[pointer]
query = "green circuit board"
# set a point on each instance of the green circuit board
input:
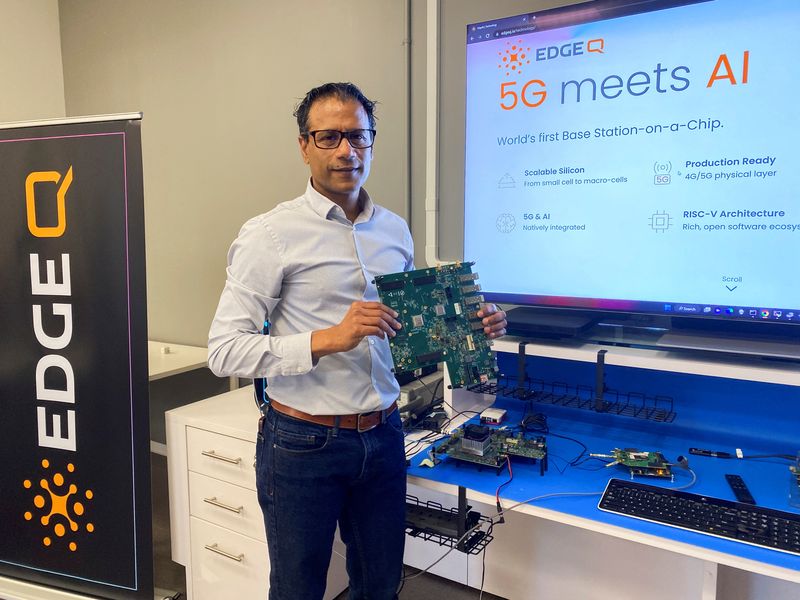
(438, 309)
(492, 452)
(652, 464)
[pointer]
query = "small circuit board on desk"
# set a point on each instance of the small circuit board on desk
(438, 308)
(487, 447)
(638, 462)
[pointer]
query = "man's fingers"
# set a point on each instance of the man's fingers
(487, 310)
(496, 334)
(387, 327)
(368, 330)
(375, 326)
(494, 322)
(375, 306)
(494, 318)
(377, 314)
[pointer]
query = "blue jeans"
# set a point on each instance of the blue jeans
(311, 477)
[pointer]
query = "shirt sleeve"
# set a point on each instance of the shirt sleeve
(252, 289)
(409, 266)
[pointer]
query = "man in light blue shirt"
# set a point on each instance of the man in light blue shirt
(330, 447)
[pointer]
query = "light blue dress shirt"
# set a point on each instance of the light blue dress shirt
(300, 266)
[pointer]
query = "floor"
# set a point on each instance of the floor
(170, 577)
(429, 586)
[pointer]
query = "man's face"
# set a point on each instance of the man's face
(337, 173)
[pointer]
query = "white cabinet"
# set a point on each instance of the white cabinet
(227, 505)
(226, 564)
(217, 528)
(222, 457)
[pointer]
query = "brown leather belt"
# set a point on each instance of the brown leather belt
(360, 422)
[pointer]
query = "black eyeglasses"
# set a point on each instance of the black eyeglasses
(328, 139)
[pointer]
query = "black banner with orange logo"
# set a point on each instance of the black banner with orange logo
(75, 483)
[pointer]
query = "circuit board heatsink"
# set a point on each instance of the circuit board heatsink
(498, 445)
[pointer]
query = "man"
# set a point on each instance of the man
(330, 446)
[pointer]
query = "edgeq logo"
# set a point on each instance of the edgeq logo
(514, 57)
(59, 507)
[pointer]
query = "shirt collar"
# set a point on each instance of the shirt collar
(324, 207)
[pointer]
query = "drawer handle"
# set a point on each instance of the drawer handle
(215, 548)
(216, 502)
(212, 454)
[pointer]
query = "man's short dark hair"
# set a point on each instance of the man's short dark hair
(342, 91)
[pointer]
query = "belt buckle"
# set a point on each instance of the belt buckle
(359, 429)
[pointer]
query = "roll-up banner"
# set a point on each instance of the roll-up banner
(75, 482)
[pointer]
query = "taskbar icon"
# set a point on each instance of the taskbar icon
(741, 312)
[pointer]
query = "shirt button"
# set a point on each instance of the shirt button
(372, 342)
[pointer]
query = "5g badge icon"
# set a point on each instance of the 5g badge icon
(662, 171)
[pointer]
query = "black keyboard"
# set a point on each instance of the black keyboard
(765, 527)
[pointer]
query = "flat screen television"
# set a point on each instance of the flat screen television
(638, 157)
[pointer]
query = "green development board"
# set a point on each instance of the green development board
(438, 308)
(495, 449)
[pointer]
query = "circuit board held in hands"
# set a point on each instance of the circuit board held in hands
(438, 308)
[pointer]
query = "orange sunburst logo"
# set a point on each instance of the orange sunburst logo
(60, 506)
(513, 57)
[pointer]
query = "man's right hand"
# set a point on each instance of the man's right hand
(362, 319)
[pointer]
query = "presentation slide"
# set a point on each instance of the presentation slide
(651, 157)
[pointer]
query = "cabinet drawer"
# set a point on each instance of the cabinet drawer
(227, 505)
(221, 457)
(226, 564)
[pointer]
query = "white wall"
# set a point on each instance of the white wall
(30, 61)
(217, 82)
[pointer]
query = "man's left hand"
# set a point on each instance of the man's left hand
(494, 321)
